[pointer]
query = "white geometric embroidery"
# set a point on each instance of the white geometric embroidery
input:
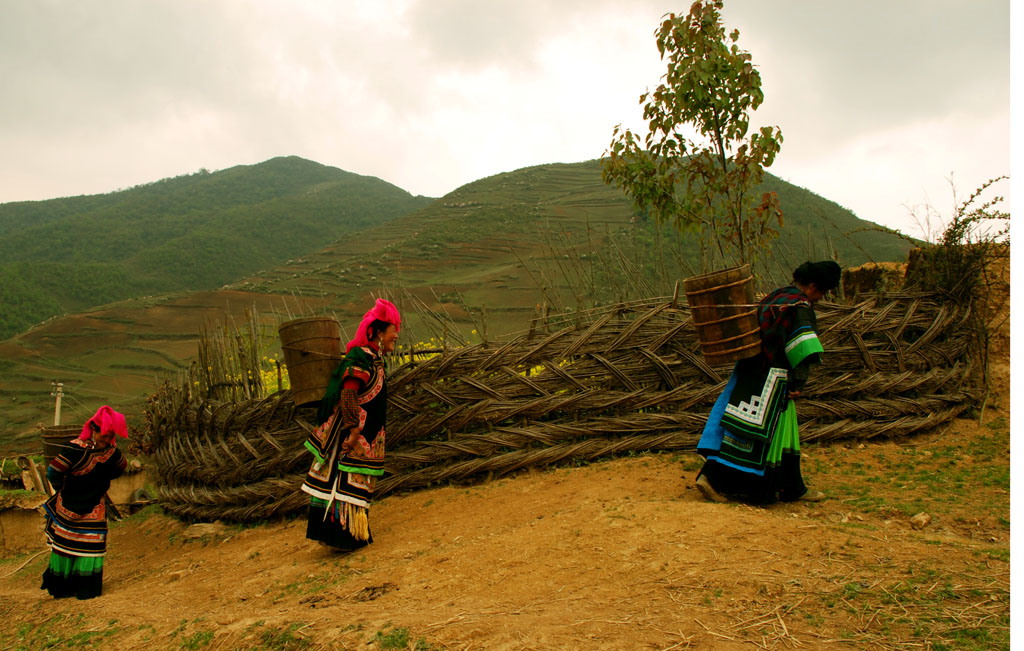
(755, 411)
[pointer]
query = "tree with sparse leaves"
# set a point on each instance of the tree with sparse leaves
(707, 182)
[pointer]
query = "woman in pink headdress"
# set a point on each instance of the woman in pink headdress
(76, 519)
(348, 444)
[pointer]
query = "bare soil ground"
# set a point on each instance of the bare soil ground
(621, 554)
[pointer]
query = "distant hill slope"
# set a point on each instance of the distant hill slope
(493, 244)
(190, 232)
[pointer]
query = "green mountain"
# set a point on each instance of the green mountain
(191, 232)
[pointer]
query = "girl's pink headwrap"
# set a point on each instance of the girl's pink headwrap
(108, 421)
(384, 311)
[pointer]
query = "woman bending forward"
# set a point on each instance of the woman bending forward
(751, 441)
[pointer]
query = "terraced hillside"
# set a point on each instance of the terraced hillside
(115, 354)
(552, 235)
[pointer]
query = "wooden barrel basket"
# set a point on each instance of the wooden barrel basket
(724, 314)
(312, 350)
(55, 440)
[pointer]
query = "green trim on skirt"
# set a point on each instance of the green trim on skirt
(65, 566)
(787, 437)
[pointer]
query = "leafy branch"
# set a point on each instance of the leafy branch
(706, 182)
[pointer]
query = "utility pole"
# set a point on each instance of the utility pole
(58, 391)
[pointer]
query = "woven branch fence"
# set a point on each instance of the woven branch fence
(626, 378)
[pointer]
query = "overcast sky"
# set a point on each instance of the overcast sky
(879, 101)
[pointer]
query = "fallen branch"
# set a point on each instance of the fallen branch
(30, 558)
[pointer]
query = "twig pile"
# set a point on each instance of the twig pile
(626, 378)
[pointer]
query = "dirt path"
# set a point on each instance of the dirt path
(621, 554)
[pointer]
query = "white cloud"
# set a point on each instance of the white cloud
(878, 101)
(923, 157)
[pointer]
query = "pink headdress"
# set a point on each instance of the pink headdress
(384, 311)
(108, 420)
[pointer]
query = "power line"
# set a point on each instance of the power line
(120, 378)
(111, 394)
(82, 409)
(101, 394)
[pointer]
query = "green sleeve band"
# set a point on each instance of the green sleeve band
(802, 346)
(361, 471)
(309, 446)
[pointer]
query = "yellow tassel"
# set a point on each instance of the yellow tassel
(358, 522)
